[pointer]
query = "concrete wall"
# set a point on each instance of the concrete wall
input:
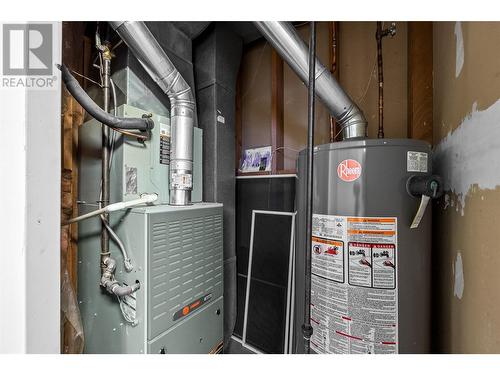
(467, 138)
(358, 75)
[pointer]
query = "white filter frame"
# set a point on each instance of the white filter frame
(290, 283)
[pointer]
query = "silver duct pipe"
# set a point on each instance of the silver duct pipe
(290, 46)
(182, 104)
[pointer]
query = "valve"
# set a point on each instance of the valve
(429, 185)
(426, 188)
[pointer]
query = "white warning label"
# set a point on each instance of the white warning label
(181, 181)
(416, 161)
(354, 297)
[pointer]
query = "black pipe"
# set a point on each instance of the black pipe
(105, 162)
(142, 124)
(307, 330)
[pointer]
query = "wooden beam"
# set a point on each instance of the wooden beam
(238, 132)
(72, 114)
(420, 81)
(277, 122)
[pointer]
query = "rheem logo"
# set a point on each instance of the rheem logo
(349, 170)
(27, 49)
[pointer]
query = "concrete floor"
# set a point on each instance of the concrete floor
(235, 347)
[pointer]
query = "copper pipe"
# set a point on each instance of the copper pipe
(132, 134)
(379, 35)
(380, 82)
(334, 26)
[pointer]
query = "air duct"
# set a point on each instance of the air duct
(290, 46)
(182, 104)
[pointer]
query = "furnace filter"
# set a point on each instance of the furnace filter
(370, 271)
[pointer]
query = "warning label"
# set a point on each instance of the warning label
(354, 299)
(164, 144)
(416, 161)
(328, 259)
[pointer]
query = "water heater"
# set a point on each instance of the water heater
(371, 247)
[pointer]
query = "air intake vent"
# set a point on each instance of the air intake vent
(185, 263)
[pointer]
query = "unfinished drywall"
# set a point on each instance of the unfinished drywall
(295, 101)
(357, 63)
(256, 99)
(467, 153)
(358, 74)
(256, 95)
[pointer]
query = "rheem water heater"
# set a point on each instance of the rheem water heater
(371, 247)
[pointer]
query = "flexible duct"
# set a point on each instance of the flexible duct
(290, 46)
(147, 50)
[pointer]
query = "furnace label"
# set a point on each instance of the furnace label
(358, 312)
(164, 144)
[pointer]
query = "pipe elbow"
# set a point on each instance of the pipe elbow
(353, 124)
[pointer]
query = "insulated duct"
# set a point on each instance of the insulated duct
(182, 104)
(290, 46)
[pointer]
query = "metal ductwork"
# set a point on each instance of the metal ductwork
(182, 104)
(290, 46)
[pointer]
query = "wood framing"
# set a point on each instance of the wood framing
(76, 53)
(420, 81)
(238, 124)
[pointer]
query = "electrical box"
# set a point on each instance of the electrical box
(136, 167)
(177, 257)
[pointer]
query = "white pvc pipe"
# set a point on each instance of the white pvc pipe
(145, 198)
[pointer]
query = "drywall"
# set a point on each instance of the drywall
(465, 157)
(466, 129)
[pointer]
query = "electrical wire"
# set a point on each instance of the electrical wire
(126, 259)
(128, 318)
(257, 70)
(113, 133)
(127, 262)
(372, 72)
(87, 78)
(283, 148)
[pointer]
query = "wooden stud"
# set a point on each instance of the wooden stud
(71, 118)
(277, 118)
(238, 124)
(420, 81)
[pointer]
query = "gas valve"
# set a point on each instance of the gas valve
(430, 186)
(426, 188)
